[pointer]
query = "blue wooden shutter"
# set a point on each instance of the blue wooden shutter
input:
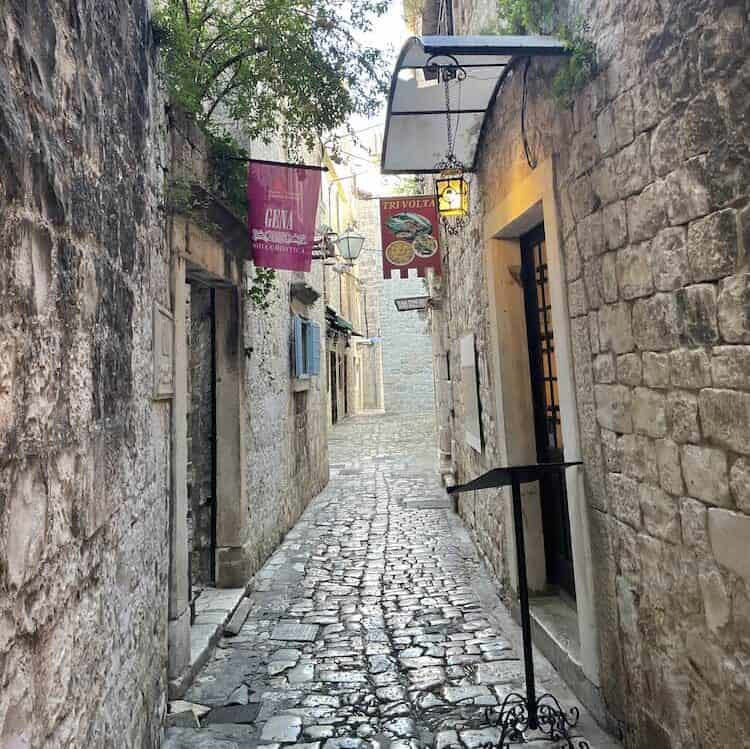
(299, 354)
(313, 340)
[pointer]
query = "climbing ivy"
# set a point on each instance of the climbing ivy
(262, 285)
(542, 17)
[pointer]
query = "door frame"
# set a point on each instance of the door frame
(529, 202)
(555, 517)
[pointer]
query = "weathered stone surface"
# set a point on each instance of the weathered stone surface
(682, 415)
(623, 119)
(610, 450)
(624, 498)
(577, 304)
(694, 518)
(685, 192)
(605, 131)
(638, 457)
(728, 532)
(285, 729)
(649, 412)
(712, 246)
(573, 266)
(656, 369)
(603, 181)
(696, 309)
(590, 232)
(690, 369)
(669, 259)
(240, 714)
(739, 483)
(730, 367)
(734, 308)
(660, 512)
(608, 270)
(668, 460)
(583, 201)
(725, 418)
(646, 213)
(633, 169)
(634, 277)
(716, 599)
(666, 148)
(705, 473)
(615, 225)
(295, 632)
(604, 368)
(629, 369)
(615, 328)
(613, 407)
(656, 323)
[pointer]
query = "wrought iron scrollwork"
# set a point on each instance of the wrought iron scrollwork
(547, 718)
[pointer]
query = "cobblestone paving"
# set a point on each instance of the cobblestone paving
(374, 624)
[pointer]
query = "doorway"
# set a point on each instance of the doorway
(201, 334)
(546, 406)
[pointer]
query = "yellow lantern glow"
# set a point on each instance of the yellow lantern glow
(452, 194)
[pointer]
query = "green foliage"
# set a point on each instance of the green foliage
(289, 68)
(409, 186)
(263, 284)
(227, 173)
(578, 68)
(527, 16)
(541, 17)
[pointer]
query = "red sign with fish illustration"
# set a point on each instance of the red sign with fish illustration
(409, 231)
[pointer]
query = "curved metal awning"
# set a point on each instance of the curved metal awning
(416, 128)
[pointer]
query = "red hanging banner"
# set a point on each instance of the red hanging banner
(283, 206)
(409, 231)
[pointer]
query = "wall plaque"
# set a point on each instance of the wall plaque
(163, 352)
(470, 388)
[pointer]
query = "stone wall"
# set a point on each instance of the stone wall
(370, 271)
(84, 450)
(285, 432)
(407, 351)
(652, 169)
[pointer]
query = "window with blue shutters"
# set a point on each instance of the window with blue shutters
(305, 347)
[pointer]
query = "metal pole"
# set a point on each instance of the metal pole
(523, 598)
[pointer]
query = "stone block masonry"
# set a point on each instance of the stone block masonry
(651, 175)
(84, 450)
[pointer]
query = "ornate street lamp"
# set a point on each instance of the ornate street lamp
(350, 245)
(452, 192)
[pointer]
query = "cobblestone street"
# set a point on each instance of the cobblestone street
(374, 623)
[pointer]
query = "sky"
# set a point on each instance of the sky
(388, 34)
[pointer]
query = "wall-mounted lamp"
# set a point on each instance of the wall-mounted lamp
(350, 244)
(452, 191)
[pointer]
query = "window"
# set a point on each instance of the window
(305, 347)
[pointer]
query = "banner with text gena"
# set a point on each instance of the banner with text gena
(282, 209)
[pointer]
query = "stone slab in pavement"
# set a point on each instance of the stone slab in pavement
(374, 624)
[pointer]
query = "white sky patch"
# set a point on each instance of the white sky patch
(388, 34)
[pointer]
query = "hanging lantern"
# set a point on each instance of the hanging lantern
(452, 192)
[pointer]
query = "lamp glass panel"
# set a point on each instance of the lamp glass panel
(453, 196)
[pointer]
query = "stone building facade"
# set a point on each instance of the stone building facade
(352, 298)
(642, 191)
(249, 442)
(84, 446)
(99, 267)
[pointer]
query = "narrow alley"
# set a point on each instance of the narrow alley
(374, 623)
